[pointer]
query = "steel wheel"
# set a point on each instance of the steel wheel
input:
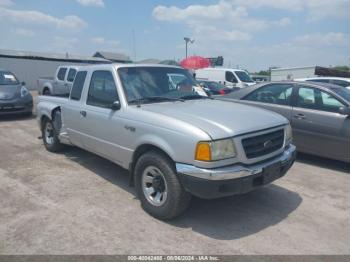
(49, 133)
(154, 186)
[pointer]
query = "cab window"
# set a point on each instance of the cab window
(78, 85)
(230, 77)
(279, 94)
(71, 75)
(102, 90)
(61, 73)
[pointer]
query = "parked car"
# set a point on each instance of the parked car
(60, 84)
(227, 76)
(318, 112)
(133, 116)
(340, 81)
(215, 88)
(14, 96)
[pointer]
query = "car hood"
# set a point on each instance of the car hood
(219, 119)
(8, 92)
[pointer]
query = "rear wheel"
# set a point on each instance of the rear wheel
(158, 187)
(50, 136)
(46, 92)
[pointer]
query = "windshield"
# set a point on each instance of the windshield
(7, 78)
(156, 84)
(244, 77)
(343, 92)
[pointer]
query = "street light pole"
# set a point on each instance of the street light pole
(188, 40)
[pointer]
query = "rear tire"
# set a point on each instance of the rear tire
(46, 92)
(158, 186)
(50, 136)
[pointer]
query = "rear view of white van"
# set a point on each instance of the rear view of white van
(229, 77)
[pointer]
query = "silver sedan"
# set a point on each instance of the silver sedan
(319, 113)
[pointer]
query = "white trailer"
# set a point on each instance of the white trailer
(280, 74)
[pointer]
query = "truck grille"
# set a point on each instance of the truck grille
(261, 145)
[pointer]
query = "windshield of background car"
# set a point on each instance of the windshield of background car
(147, 82)
(343, 92)
(244, 77)
(7, 78)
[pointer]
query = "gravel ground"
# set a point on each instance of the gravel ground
(75, 202)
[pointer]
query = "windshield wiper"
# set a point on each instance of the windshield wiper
(189, 97)
(153, 99)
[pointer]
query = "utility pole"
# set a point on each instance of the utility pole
(133, 44)
(188, 40)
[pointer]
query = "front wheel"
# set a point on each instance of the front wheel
(158, 187)
(50, 137)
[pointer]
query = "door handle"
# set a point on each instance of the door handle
(83, 113)
(300, 116)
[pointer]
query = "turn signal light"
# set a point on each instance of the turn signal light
(203, 152)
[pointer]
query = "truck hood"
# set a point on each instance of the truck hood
(8, 92)
(219, 119)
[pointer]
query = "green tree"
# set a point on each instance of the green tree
(342, 68)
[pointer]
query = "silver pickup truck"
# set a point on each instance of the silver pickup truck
(176, 142)
(60, 84)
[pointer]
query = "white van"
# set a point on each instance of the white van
(229, 77)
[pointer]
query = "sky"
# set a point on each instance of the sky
(249, 34)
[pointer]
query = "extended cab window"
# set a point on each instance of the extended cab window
(102, 90)
(78, 86)
(61, 73)
(279, 94)
(71, 75)
(230, 77)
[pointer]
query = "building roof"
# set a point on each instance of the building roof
(50, 56)
(112, 56)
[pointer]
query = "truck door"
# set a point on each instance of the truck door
(58, 85)
(70, 78)
(230, 79)
(104, 128)
(71, 115)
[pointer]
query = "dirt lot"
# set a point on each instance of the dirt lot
(77, 203)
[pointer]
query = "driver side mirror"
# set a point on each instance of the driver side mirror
(344, 110)
(115, 106)
(23, 83)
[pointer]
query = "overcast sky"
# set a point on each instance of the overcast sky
(251, 34)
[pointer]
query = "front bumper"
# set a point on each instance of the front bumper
(17, 106)
(235, 179)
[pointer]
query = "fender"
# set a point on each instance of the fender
(49, 86)
(45, 109)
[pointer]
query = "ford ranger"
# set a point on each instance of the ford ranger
(60, 84)
(174, 140)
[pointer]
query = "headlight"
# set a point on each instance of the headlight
(24, 91)
(217, 150)
(288, 135)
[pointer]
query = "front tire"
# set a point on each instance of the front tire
(50, 136)
(158, 187)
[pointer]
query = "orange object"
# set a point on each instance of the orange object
(203, 152)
